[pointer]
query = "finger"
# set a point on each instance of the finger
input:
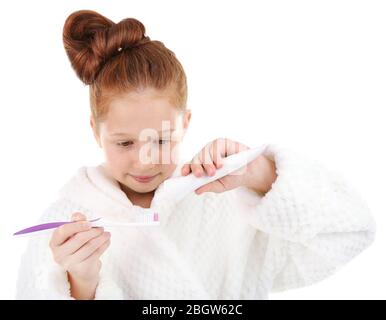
(225, 147)
(78, 240)
(87, 249)
(98, 252)
(77, 216)
(214, 186)
(94, 258)
(185, 169)
(196, 167)
(210, 169)
(62, 233)
(216, 153)
(232, 147)
(206, 160)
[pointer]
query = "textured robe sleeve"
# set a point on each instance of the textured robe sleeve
(315, 221)
(40, 277)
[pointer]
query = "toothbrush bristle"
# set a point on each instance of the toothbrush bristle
(148, 218)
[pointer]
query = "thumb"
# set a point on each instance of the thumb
(77, 216)
(214, 186)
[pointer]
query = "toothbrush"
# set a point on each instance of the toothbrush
(148, 219)
(178, 187)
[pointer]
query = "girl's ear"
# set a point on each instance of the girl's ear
(187, 116)
(95, 131)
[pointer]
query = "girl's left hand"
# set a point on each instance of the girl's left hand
(209, 159)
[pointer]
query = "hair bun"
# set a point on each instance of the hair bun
(90, 39)
(126, 33)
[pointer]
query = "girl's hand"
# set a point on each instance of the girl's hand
(258, 174)
(209, 159)
(77, 248)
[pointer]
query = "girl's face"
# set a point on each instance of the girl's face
(140, 137)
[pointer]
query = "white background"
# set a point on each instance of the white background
(308, 74)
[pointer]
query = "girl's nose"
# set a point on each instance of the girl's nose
(144, 159)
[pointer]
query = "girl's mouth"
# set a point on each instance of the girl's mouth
(143, 179)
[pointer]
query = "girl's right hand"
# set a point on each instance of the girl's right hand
(77, 247)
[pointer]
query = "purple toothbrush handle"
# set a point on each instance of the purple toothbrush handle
(45, 226)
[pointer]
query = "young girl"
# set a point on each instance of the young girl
(282, 222)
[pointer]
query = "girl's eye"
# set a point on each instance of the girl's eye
(125, 143)
(129, 143)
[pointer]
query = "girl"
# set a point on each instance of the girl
(280, 222)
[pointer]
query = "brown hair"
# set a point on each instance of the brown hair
(113, 58)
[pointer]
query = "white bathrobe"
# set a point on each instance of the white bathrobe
(230, 245)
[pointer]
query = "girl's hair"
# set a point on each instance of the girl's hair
(114, 58)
